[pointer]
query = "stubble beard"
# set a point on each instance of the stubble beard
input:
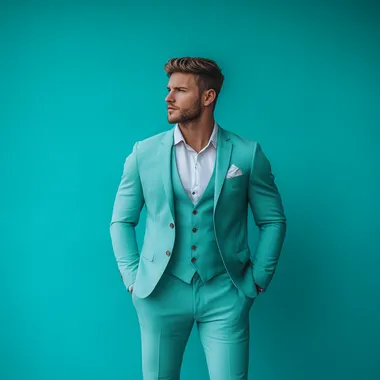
(188, 114)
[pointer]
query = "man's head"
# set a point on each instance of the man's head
(193, 88)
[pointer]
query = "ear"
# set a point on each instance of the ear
(209, 97)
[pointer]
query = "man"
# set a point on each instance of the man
(196, 181)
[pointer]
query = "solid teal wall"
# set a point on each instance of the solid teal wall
(80, 83)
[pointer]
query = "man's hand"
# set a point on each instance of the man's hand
(259, 289)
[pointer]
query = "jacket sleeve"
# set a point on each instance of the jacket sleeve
(127, 207)
(267, 209)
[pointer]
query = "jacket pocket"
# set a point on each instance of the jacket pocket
(148, 254)
(236, 182)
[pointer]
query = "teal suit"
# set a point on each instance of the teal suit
(208, 276)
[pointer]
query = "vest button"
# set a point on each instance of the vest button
(171, 225)
(193, 247)
(167, 253)
(193, 260)
(194, 229)
(195, 212)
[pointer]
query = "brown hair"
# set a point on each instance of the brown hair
(208, 74)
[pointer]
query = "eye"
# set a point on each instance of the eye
(176, 89)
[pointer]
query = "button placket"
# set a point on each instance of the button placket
(196, 178)
(194, 247)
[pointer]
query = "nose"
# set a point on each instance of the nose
(169, 97)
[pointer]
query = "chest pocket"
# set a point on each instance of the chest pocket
(238, 183)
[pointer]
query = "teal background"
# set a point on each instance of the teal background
(82, 81)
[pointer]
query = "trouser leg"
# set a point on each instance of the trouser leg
(223, 324)
(166, 319)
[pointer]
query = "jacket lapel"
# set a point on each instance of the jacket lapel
(164, 158)
(223, 156)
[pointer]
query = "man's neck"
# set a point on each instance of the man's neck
(197, 135)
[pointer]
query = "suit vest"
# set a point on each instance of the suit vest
(195, 248)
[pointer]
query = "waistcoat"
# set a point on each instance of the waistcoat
(195, 248)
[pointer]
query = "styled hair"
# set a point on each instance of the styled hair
(208, 74)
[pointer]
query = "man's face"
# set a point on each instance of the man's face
(184, 102)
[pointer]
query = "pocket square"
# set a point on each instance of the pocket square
(233, 171)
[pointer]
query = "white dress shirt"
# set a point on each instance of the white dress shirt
(195, 169)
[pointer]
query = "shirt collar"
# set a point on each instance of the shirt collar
(178, 137)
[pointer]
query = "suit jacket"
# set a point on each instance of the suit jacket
(146, 180)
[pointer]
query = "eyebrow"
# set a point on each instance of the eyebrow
(168, 88)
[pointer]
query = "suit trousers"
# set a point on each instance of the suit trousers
(166, 318)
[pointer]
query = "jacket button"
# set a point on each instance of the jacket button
(167, 253)
(194, 229)
(195, 212)
(171, 225)
(193, 247)
(193, 260)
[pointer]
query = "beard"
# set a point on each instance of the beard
(188, 114)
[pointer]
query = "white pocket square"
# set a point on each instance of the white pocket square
(233, 171)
